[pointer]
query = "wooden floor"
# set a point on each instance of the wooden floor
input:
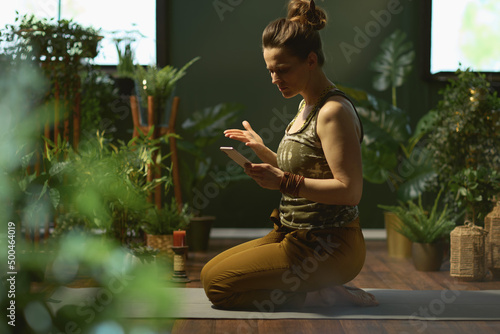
(380, 271)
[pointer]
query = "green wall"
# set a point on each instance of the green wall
(231, 69)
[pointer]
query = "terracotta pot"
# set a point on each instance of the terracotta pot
(427, 257)
(398, 245)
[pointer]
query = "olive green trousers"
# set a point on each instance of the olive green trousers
(277, 270)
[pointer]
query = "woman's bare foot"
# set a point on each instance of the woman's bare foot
(340, 295)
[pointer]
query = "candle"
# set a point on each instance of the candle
(179, 238)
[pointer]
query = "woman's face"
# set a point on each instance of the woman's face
(288, 72)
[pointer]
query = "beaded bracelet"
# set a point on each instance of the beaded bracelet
(290, 184)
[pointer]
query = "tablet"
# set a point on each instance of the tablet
(235, 155)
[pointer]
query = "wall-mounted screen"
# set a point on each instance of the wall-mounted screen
(464, 34)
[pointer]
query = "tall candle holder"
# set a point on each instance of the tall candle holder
(179, 275)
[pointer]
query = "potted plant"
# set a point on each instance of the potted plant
(37, 38)
(465, 144)
(98, 103)
(60, 49)
(104, 186)
(159, 84)
(71, 221)
(125, 69)
(426, 230)
(161, 223)
(201, 130)
(391, 149)
(475, 189)
(465, 150)
(392, 154)
(138, 255)
(103, 257)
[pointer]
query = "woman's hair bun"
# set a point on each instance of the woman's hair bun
(306, 13)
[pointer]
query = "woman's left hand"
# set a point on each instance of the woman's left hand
(265, 175)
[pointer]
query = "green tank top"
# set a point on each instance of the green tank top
(301, 153)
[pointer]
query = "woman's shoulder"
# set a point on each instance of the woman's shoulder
(338, 110)
(335, 106)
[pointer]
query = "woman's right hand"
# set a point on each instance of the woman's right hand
(247, 136)
(254, 141)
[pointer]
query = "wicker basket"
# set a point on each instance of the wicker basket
(467, 252)
(162, 242)
(492, 226)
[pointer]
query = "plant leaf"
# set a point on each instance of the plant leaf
(394, 63)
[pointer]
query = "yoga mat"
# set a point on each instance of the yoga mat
(394, 304)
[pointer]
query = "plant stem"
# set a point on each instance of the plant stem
(473, 215)
(394, 95)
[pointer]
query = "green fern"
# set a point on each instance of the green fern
(159, 83)
(421, 226)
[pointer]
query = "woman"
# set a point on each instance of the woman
(317, 244)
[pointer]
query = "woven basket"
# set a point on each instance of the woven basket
(467, 252)
(492, 226)
(162, 242)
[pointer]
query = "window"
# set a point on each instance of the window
(109, 16)
(463, 33)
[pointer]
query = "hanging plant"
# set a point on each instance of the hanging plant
(48, 39)
(58, 48)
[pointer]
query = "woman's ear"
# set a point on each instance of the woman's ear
(312, 59)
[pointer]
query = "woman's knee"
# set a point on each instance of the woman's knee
(204, 275)
(218, 294)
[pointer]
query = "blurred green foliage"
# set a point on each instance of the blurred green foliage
(104, 187)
